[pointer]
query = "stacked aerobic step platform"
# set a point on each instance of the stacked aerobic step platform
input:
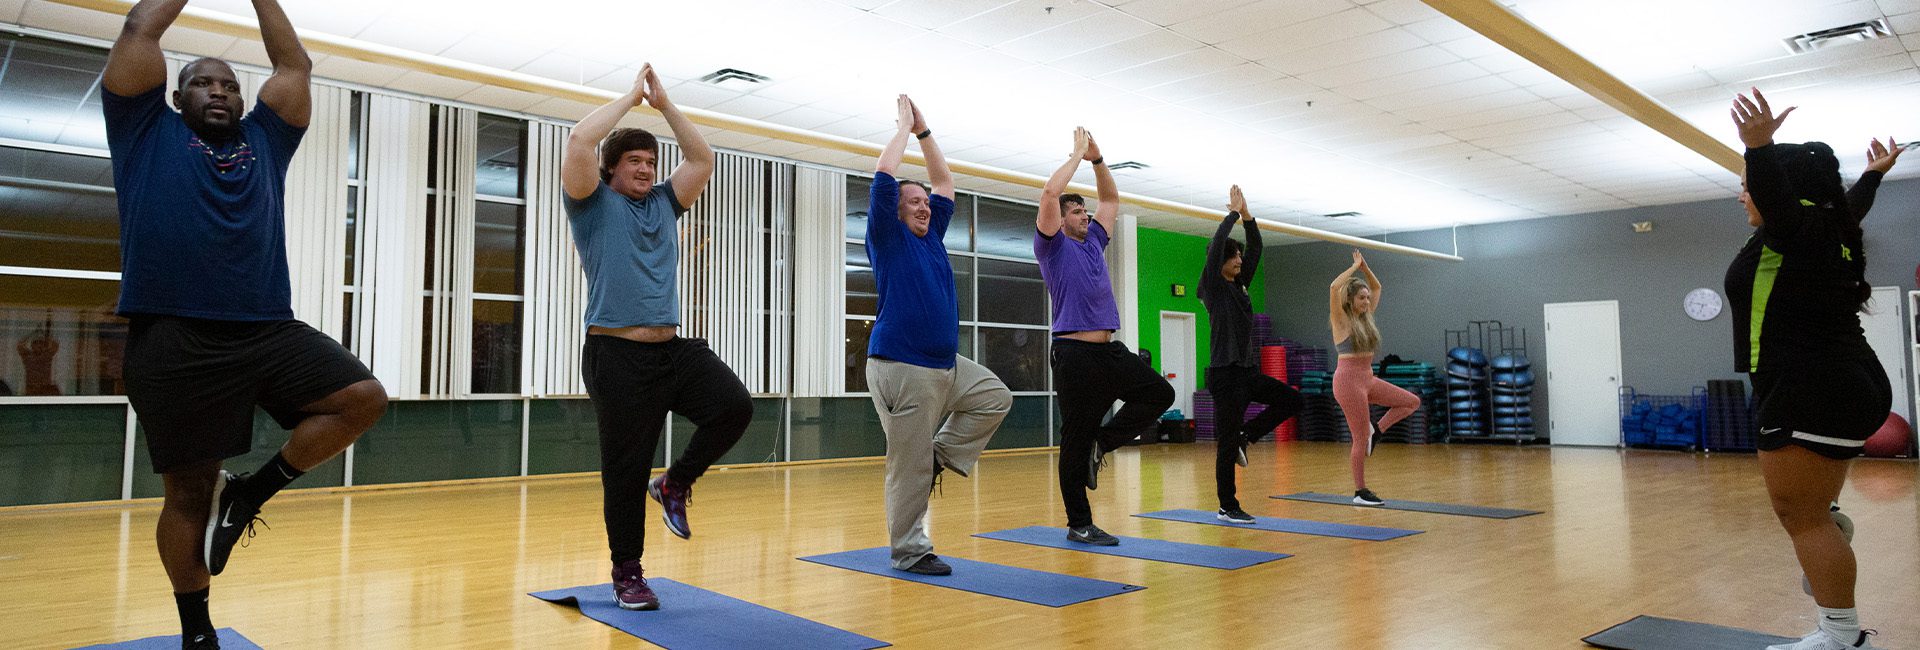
(1512, 396)
(1469, 393)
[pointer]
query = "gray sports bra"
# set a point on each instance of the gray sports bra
(1343, 347)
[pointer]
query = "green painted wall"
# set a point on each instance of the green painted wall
(1168, 258)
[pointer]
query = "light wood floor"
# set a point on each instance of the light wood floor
(1624, 533)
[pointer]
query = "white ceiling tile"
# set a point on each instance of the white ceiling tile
(355, 71)
(248, 52)
(1345, 51)
(1239, 97)
(1401, 12)
(932, 14)
(72, 20)
(1018, 19)
(1492, 135)
(1304, 35)
(1471, 96)
(10, 10)
(567, 68)
(401, 27)
(1174, 68)
(807, 117)
(501, 98)
(431, 85)
(1245, 20)
(1168, 12)
(1088, 33)
(779, 148)
(1441, 30)
(698, 94)
(1239, 76)
(1145, 48)
(193, 41)
(1449, 73)
(753, 107)
(1897, 7)
(1379, 67)
(564, 109)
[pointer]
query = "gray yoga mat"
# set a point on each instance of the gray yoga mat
(1413, 506)
(1655, 633)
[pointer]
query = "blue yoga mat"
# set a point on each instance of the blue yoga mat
(691, 617)
(1015, 583)
(1655, 633)
(1212, 557)
(1413, 506)
(229, 640)
(1278, 525)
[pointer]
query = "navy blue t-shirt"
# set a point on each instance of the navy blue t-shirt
(919, 321)
(202, 226)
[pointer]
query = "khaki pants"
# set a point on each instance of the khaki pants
(931, 415)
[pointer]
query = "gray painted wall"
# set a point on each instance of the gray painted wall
(1513, 269)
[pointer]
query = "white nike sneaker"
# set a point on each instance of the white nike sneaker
(1821, 640)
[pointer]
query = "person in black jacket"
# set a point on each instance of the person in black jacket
(1796, 289)
(1233, 374)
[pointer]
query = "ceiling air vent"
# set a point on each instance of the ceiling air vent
(1128, 164)
(732, 78)
(1341, 215)
(1826, 38)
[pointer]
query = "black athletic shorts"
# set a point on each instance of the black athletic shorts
(194, 383)
(1830, 408)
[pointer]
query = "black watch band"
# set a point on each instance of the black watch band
(924, 134)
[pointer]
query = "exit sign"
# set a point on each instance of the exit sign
(1179, 291)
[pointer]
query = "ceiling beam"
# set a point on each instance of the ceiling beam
(323, 43)
(1501, 25)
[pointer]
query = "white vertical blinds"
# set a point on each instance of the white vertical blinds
(556, 289)
(819, 272)
(391, 273)
(316, 211)
(734, 278)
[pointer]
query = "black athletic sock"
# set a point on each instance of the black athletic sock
(194, 620)
(272, 477)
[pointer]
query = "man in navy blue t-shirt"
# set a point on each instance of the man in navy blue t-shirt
(204, 283)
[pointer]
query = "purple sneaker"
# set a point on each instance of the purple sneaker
(630, 590)
(673, 499)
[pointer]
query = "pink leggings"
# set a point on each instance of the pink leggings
(1355, 388)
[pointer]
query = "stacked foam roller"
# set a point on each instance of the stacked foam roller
(1469, 398)
(1420, 379)
(1730, 416)
(1320, 418)
(1273, 363)
(1512, 395)
(1301, 359)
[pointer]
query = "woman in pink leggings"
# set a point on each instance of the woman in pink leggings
(1350, 304)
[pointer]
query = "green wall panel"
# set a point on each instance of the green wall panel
(1168, 258)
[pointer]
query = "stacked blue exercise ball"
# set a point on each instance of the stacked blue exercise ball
(1469, 402)
(1512, 396)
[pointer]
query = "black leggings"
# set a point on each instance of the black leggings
(633, 386)
(1088, 377)
(1233, 387)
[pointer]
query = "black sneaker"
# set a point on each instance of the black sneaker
(930, 565)
(1366, 497)
(1091, 534)
(1234, 516)
(230, 520)
(207, 641)
(1240, 455)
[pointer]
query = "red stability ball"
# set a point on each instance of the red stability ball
(1892, 438)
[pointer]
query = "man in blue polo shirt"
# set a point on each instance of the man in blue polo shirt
(205, 287)
(937, 407)
(636, 366)
(1090, 369)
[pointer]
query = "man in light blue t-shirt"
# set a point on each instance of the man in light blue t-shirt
(636, 366)
(937, 407)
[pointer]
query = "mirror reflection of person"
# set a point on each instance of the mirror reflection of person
(37, 351)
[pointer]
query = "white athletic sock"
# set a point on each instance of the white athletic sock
(1843, 624)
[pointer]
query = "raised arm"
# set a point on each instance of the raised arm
(290, 89)
(937, 173)
(579, 164)
(1249, 260)
(1109, 212)
(135, 64)
(1880, 159)
(889, 162)
(1049, 220)
(1373, 281)
(1217, 247)
(1766, 183)
(696, 157)
(1334, 296)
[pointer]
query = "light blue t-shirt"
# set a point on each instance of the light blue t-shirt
(630, 251)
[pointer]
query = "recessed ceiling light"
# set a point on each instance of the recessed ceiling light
(1825, 38)
(734, 78)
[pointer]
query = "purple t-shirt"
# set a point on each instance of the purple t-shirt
(1076, 276)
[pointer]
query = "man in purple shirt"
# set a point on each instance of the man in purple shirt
(1090, 369)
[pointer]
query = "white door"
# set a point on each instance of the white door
(1882, 323)
(1583, 373)
(1176, 357)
